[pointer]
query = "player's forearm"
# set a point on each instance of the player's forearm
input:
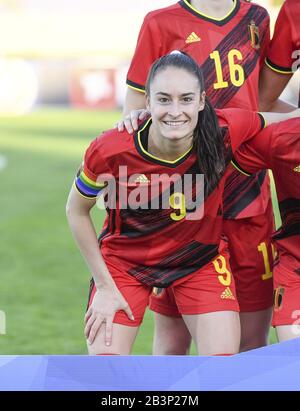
(271, 85)
(85, 236)
(278, 106)
(134, 100)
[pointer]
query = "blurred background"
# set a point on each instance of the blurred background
(63, 65)
(69, 52)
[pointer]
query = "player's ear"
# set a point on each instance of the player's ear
(202, 101)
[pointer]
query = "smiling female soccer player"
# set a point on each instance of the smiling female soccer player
(229, 39)
(142, 247)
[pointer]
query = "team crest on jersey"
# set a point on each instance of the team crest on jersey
(278, 295)
(297, 169)
(254, 35)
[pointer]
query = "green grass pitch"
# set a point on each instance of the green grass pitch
(44, 281)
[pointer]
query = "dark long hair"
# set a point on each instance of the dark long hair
(208, 140)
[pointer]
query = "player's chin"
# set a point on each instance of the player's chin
(176, 133)
(176, 136)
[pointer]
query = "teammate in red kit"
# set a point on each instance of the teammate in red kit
(278, 148)
(229, 40)
(283, 57)
(171, 244)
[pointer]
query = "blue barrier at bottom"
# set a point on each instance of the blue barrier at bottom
(275, 368)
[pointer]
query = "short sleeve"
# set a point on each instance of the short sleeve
(146, 52)
(94, 173)
(255, 154)
(279, 56)
(242, 124)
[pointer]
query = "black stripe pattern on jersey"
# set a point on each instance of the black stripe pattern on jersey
(240, 190)
(238, 39)
(110, 228)
(185, 261)
(146, 220)
(290, 216)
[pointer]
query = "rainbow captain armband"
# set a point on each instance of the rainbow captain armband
(87, 187)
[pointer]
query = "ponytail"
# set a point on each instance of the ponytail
(209, 145)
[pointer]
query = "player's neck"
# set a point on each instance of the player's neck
(213, 8)
(168, 149)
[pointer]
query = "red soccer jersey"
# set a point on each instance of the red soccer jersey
(285, 44)
(154, 235)
(278, 148)
(230, 51)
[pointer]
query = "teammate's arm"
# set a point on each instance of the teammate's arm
(277, 68)
(271, 85)
(134, 100)
(108, 299)
(148, 49)
(245, 124)
(134, 110)
(257, 153)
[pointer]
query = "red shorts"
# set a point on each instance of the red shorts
(286, 292)
(134, 292)
(251, 259)
(209, 289)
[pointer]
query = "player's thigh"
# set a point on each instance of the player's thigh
(208, 304)
(124, 329)
(171, 336)
(286, 309)
(123, 338)
(215, 333)
(255, 329)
